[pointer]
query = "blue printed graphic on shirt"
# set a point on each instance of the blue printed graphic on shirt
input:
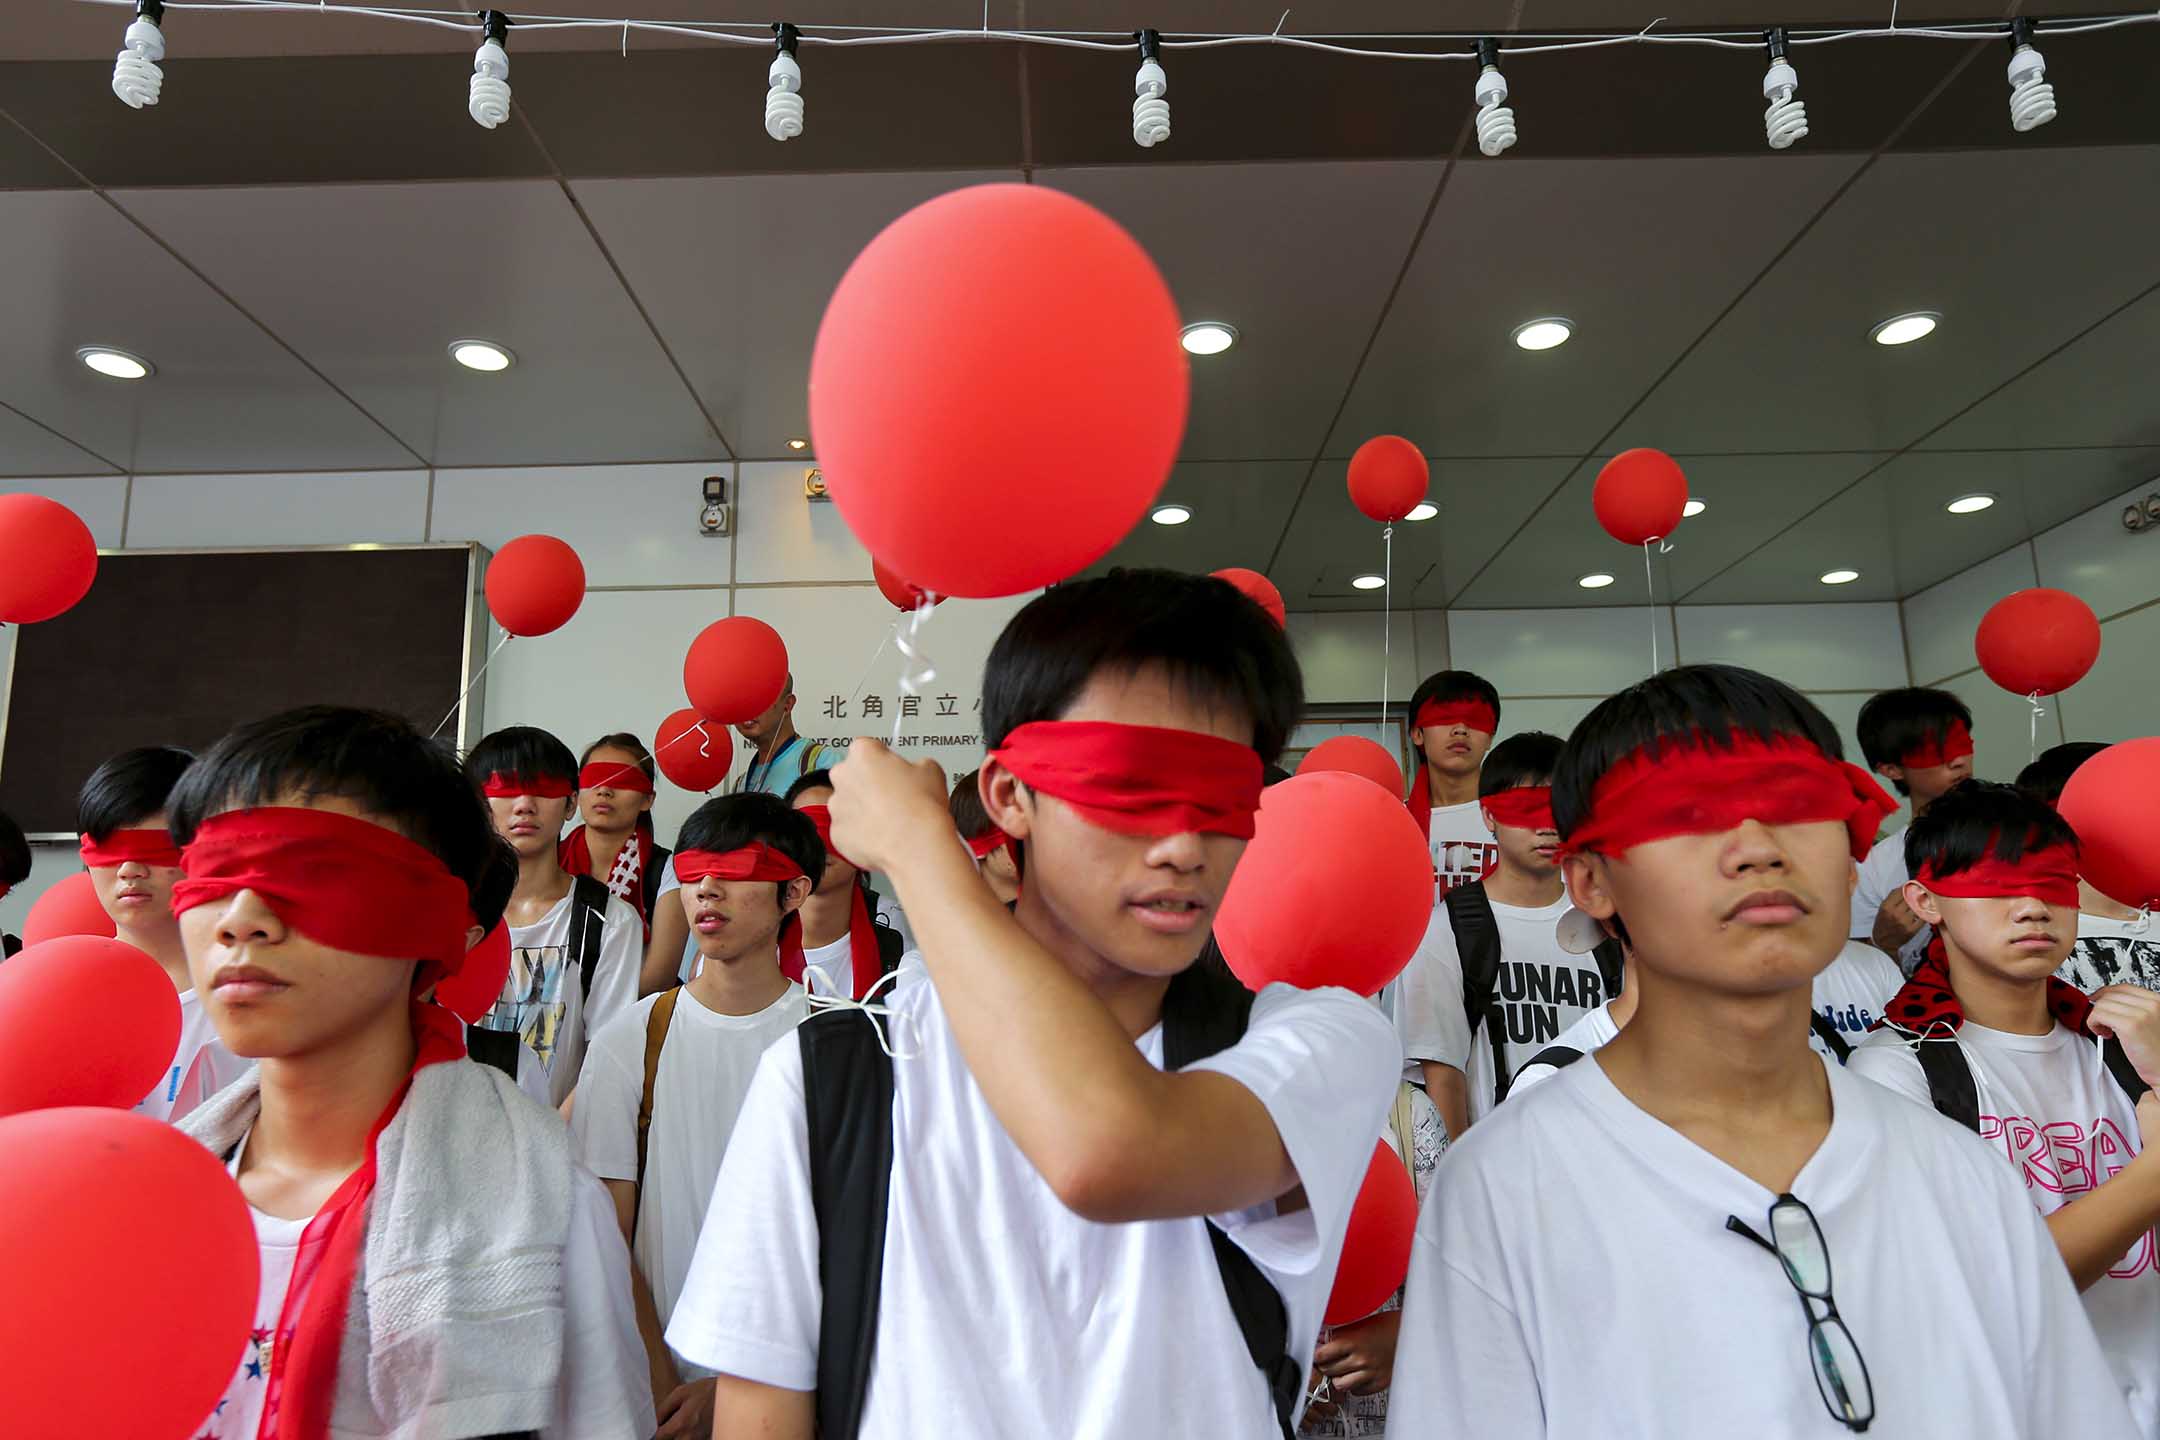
(533, 1002)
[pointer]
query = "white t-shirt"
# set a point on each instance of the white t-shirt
(1001, 1312)
(201, 1066)
(1462, 848)
(1882, 874)
(1852, 992)
(705, 1070)
(1541, 990)
(835, 966)
(544, 1000)
(2114, 952)
(1573, 1264)
(2050, 1108)
(603, 1392)
(1593, 1032)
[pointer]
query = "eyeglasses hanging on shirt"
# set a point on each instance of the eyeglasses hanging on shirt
(1841, 1375)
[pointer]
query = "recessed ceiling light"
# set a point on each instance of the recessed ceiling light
(1368, 582)
(1971, 504)
(1423, 510)
(117, 363)
(1693, 508)
(1544, 334)
(1596, 580)
(1904, 329)
(1208, 337)
(1171, 514)
(1839, 577)
(798, 444)
(481, 355)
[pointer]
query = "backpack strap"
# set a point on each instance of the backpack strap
(1559, 1057)
(1950, 1081)
(1611, 959)
(657, 1021)
(1477, 945)
(1835, 1043)
(588, 924)
(847, 1109)
(495, 1048)
(889, 945)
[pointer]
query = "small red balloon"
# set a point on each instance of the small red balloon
(2110, 802)
(693, 752)
(69, 908)
(2037, 642)
(735, 670)
(903, 595)
(1356, 755)
(1639, 496)
(473, 991)
(1258, 589)
(1327, 845)
(47, 559)
(534, 585)
(84, 1021)
(1002, 355)
(1388, 477)
(1376, 1248)
(118, 1226)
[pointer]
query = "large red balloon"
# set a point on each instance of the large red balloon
(1388, 477)
(1328, 845)
(1002, 356)
(2037, 642)
(473, 991)
(47, 559)
(1639, 496)
(1258, 589)
(693, 752)
(735, 670)
(84, 1021)
(904, 596)
(128, 1275)
(68, 908)
(1376, 1248)
(534, 585)
(2110, 802)
(1356, 755)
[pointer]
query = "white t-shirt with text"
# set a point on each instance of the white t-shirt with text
(1852, 992)
(544, 1000)
(1462, 848)
(201, 1066)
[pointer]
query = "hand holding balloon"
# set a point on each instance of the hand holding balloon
(886, 809)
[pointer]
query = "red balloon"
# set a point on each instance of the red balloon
(473, 991)
(2110, 802)
(47, 559)
(903, 595)
(1639, 496)
(84, 1021)
(69, 908)
(1328, 844)
(1258, 589)
(2037, 642)
(693, 752)
(1388, 477)
(1376, 1248)
(118, 1226)
(735, 670)
(534, 585)
(1007, 355)
(1356, 755)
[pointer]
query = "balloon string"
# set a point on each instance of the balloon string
(1387, 619)
(2038, 710)
(856, 694)
(1650, 591)
(916, 671)
(506, 639)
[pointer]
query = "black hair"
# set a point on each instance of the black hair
(1213, 641)
(1975, 819)
(969, 816)
(1898, 721)
(809, 780)
(1525, 759)
(620, 740)
(1719, 701)
(521, 752)
(371, 757)
(1446, 685)
(729, 822)
(14, 852)
(129, 788)
(2045, 777)
(498, 879)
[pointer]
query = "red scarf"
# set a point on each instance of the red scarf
(151, 847)
(1442, 715)
(1139, 779)
(575, 857)
(1939, 747)
(499, 786)
(1927, 1002)
(2049, 873)
(1526, 807)
(866, 965)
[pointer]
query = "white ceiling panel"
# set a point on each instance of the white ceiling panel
(1239, 508)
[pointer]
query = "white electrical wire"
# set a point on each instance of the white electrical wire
(783, 98)
(489, 100)
(1150, 111)
(136, 77)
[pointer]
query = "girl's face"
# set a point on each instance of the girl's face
(605, 808)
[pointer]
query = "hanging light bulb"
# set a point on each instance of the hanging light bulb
(2032, 99)
(1495, 122)
(1150, 111)
(488, 102)
(1786, 119)
(783, 94)
(136, 77)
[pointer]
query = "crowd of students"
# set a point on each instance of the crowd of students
(1827, 1133)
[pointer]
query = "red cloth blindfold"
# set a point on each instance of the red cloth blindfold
(151, 847)
(499, 786)
(865, 963)
(1941, 747)
(755, 861)
(2049, 873)
(1440, 714)
(1139, 779)
(821, 817)
(983, 846)
(603, 776)
(1697, 787)
(1526, 807)
(339, 881)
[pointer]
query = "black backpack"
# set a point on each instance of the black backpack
(847, 1104)
(1477, 942)
(1950, 1078)
(588, 922)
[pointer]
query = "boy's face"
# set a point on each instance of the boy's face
(731, 919)
(838, 873)
(137, 896)
(1454, 750)
(531, 823)
(274, 993)
(1531, 853)
(1929, 783)
(1754, 910)
(2017, 938)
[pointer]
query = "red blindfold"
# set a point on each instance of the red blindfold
(340, 881)
(605, 776)
(499, 786)
(983, 846)
(755, 861)
(1941, 747)
(1697, 787)
(151, 847)
(1440, 714)
(1526, 807)
(821, 817)
(2049, 873)
(1139, 779)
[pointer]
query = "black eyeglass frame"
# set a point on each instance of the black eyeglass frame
(1849, 1415)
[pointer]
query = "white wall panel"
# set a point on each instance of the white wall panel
(1810, 647)
(1341, 655)
(2094, 558)
(1940, 620)
(379, 506)
(1561, 651)
(788, 537)
(630, 524)
(2120, 698)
